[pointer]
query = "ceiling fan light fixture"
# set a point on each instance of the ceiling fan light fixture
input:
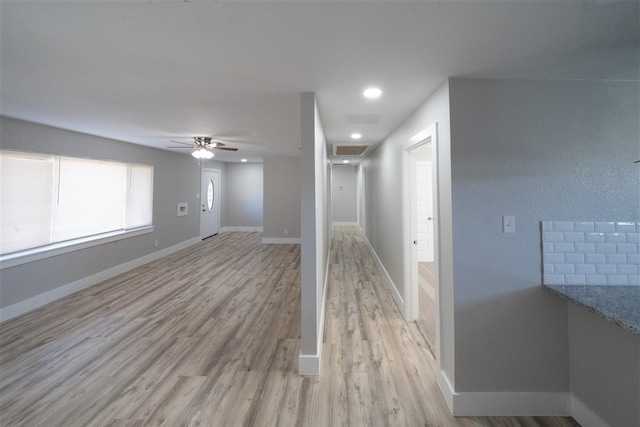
(202, 153)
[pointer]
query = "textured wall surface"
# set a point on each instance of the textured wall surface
(536, 150)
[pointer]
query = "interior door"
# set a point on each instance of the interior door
(424, 202)
(210, 203)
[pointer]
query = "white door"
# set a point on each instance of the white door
(210, 203)
(424, 202)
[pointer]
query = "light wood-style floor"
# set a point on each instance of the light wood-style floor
(210, 335)
(427, 304)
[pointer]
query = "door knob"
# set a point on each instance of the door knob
(429, 219)
(415, 242)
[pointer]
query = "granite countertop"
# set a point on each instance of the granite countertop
(617, 304)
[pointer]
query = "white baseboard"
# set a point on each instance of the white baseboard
(504, 403)
(446, 388)
(345, 224)
(242, 229)
(584, 415)
(280, 240)
(392, 287)
(518, 404)
(511, 404)
(308, 364)
(37, 301)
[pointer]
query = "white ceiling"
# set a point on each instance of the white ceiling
(148, 72)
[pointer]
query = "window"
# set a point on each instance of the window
(48, 199)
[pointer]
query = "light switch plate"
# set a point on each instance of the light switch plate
(508, 224)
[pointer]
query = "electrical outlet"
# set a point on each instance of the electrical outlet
(156, 243)
(286, 231)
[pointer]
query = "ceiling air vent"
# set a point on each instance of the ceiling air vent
(350, 150)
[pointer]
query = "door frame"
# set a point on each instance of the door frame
(409, 227)
(219, 195)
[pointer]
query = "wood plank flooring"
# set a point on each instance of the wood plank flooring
(209, 336)
(426, 321)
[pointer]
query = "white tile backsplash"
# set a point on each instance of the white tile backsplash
(609, 227)
(584, 226)
(591, 253)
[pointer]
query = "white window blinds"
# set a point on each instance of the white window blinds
(27, 200)
(49, 199)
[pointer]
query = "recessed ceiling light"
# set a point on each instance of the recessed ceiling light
(356, 136)
(345, 162)
(243, 160)
(372, 93)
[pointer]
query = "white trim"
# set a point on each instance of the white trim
(345, 224)
(392, 287)
(60, 248)
(584, 415)
(37, 301)
(409, 219)
(242, 229)
(410, 232)
(512, 404)
(309, 364)
(518, 404)
(280, 240)
(446, 389)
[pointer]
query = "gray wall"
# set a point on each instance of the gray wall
(316, 229)
(539, 150)
(244, 189)
(176, 179)
(605, 368)
(534, 149)
(281, 197)
(344, 195)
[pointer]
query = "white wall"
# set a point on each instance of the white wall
(344, 195)
(244, 190)
(281, 199)
(176, 179)
(316, 228)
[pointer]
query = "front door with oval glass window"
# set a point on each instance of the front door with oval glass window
(210, 203)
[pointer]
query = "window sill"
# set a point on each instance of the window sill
(35, 254)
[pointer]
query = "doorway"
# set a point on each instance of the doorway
(420, 219)
(210, 203)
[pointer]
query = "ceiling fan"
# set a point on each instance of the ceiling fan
(204, 146)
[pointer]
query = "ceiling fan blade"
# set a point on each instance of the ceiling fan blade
(183, 143)
(190, 148)
(225, 148)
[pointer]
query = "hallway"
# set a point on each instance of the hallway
(377, 367)
(213, 340)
